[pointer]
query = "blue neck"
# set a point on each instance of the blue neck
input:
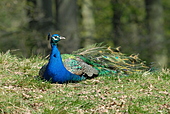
(55, 70)
(55, 57)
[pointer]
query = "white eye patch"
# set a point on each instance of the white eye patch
(54, 38)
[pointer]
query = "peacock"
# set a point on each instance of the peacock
(86, 63)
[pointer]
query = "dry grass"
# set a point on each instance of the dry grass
(21, 92)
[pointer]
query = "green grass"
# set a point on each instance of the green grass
(21, 92)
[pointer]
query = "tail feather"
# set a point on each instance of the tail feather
(108, 60)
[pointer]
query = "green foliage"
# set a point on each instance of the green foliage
(23, 27)
(21, 92)
(12, 15)
(15, 34)
(24, 43)
(166, 8)
(103, 21)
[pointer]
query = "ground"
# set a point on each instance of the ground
(22, 92)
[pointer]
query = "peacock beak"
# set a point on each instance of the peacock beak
(61, 37)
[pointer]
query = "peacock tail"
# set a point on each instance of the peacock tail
(106, 60)
(99, 60)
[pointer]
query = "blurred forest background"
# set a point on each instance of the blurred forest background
(138, 26)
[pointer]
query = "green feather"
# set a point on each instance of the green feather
(108, 60)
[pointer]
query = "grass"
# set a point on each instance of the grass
(21, 92)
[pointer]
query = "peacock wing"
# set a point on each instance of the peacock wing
(77, 66)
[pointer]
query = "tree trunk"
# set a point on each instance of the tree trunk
(66, 11)
(41, 15)
(88, 22)
(117, 13)
(31, 13)
(155, 40)
(46, 16)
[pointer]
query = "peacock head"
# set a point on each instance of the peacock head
(55, 38)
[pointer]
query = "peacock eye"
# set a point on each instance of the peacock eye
(56, 37)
